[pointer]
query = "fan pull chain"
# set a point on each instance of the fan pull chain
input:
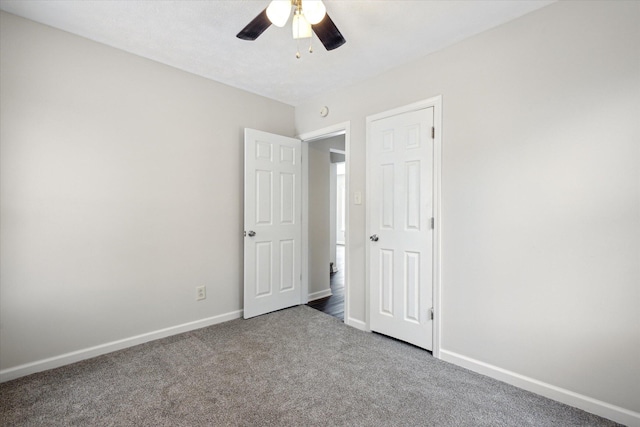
(311, 44)
(297, 30)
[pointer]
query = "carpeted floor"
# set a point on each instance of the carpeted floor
(296, 367)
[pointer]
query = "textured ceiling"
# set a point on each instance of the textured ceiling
(199, 37)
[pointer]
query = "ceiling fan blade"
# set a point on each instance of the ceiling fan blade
(328, 33)
(255, 27)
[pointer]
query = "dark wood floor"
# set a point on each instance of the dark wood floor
(334, 305)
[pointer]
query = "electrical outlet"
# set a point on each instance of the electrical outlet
(201, 293)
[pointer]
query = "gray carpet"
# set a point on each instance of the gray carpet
(296, 367)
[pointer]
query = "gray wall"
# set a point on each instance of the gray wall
(540, 192)
(319, 211)
(121, 191)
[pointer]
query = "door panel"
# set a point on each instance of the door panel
(272, 220)
(400, 174)
(386, 281)
(287, 265)
(412, 286)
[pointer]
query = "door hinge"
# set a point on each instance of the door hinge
(433, 132)
(430, 313)
(433, 223)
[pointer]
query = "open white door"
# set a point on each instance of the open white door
(272, 222)
(400, 179)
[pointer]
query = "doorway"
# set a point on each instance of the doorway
(325, 236)
(327, 225)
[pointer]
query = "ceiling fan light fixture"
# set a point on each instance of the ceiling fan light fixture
(304, 25)
(314, 11)
(301, 27)
(278, 12)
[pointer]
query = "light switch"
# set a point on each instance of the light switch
(357, 197)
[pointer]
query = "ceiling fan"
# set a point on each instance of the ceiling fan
(308, 15)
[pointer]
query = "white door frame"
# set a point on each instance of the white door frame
(436, 103)
(343, 128)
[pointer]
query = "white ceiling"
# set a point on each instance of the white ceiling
(199, 37)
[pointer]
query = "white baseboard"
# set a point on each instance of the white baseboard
(358, 324)
(88, 353)
(586, 403)
(322, 294)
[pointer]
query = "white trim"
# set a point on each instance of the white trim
(358, 324)
(327, 132)
(88, 353)
(594, 406)
(420, 105)
(320, 294)
(343, 128)
(436, 103)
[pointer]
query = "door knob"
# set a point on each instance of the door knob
(251, 233)
(374, 238)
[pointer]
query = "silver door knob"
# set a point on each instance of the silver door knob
(373, 238)
(251, 233)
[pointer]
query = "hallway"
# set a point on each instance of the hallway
(334, 304)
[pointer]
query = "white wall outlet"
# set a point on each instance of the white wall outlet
(201, 293)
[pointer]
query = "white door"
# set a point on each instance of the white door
(400, 174)
(272, 222)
